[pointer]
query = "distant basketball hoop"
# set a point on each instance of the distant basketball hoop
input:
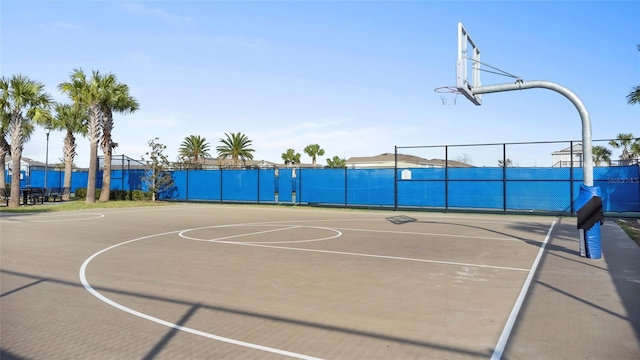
(448, 94)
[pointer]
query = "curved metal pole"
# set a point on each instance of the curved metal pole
(587, 158)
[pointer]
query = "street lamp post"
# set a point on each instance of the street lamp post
(46, 160)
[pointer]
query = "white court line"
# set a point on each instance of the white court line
(338, 234)
(432, 234)
(508, 327)
(95, 293)
(253, 233)
(77, 217)
(375, 256)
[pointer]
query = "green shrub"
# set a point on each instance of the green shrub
(135, 195)
(81, 193)
(139, 195)
(119, 195)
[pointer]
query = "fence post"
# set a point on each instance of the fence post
(258, 185)
(221, 183)
(122, 177)
(345, 186)
(571, 177)
(446, 179)
(299, 187)
(504, 178)
(395, 179)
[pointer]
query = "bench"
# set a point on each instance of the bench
(53, 193)
(4, 193)
(36, 195)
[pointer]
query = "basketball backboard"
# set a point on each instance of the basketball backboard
(468, 66)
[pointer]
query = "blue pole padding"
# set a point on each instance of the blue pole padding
(592, 242)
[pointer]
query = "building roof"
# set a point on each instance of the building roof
(390, 157)
(215, 162)
(577, 149)
(24, 160)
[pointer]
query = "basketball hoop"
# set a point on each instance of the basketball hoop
(448, 94)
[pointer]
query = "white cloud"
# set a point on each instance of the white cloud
(252, 43)
(138, 58)
(60, 25)
(66, 26)
(140, 9)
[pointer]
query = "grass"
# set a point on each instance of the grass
(632, 231)
(80, 205)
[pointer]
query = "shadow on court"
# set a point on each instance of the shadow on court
(193, 308)
(590, 302)
(536, 229)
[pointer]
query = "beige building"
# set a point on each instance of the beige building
(567, 156)
(387, 160)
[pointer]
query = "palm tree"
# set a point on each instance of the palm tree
(635, 148)
(313, 150)
(5, 148)
(235, 147)
(505, 163)
(194, 148)
(87, 93)
(336, 162)
(623, 141)
(291, 157)
(601, 155)
(115, 98)
(634, 96)
(23, 101)
(72, 120)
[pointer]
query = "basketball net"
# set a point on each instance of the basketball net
(448, 94)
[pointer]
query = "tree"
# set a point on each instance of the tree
(464, 158)
(115, 97)
(235, 148)
(22, 102)
(634, 96)
(336, 162)
(635, 148)
(5, 148)
(72, 120)
(194, 149)
(290, 157)
(507, 163)
(624, 141)
(157, 178)
(313, 150)
(86, 92)
(601, 155)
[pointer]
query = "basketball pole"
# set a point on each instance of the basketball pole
(587, 157)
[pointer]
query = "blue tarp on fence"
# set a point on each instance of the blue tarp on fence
(503, 189)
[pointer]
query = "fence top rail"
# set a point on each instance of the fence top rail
(502, 143)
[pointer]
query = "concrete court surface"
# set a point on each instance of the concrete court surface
(208, 281)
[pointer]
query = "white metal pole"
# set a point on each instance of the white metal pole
(587, 158)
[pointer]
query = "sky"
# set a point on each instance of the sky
(355, 77)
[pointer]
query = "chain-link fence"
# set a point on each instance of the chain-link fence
(535, 177)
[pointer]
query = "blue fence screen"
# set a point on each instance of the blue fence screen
(513, 189)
